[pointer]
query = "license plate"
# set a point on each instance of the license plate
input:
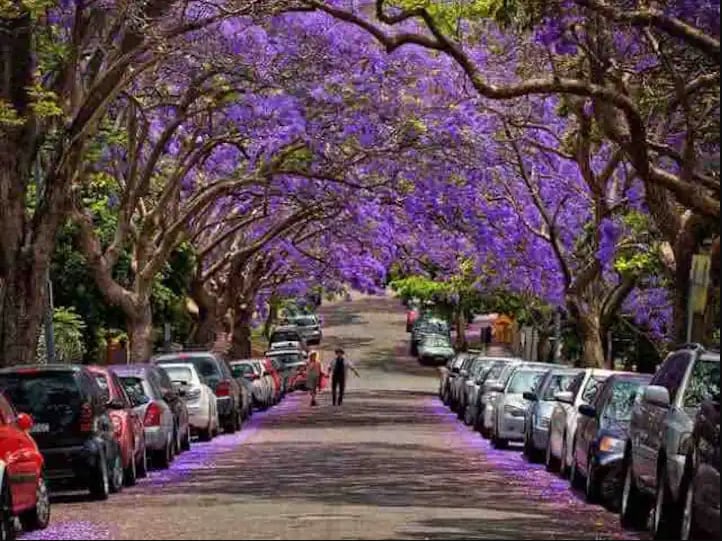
(40, 428)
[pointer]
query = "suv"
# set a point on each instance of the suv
(71, 425)
(309, 326)
(217, 375)
(660, 438)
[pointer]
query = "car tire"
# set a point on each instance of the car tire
(130, 475)
(563, 466)
(164, 457)
(499, 443)
(141, 469)
(666, 516)
(575, 477)
(116, 474)
(7, 523)
(186, 440)
(634, 509)
(591, 484)
(690, 529)
(207, 434)
(229, 425)
(38, 517)
(99, 485)
(550, 461)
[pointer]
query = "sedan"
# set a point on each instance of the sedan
(23, 492)
(602, 432)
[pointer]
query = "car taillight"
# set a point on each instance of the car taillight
(117, 426)
(152, 415)
(86, 418)
(223, 388)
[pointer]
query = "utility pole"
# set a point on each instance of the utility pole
(49, 308)
(557, 335)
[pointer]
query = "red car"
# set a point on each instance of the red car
(23, 492)
(277, 379)
(127, 425)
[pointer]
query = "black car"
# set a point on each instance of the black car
(72, 426)
(601, 437)
(217, 375)
(701, 519)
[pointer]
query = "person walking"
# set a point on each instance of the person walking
(313, 375)
(339, 370)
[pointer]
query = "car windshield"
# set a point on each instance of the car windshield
(593, 387)
(304, 321)
(133, 386)
(703, 384)
(557, 383)
(179, 373)
(285, 336)
(621, 400)
(242, 370)
(523, 381)
(49, 397)
(436, 342)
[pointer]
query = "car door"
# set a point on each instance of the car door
(650, 428)
(18, 452)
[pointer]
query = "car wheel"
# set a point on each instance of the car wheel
(7, 524)
(550, 462)
(99, 483)
(499, 443)
(591, 490)
(666, 518)
(164, 457)
(38, 517)
(207, 434)
(186, 441)
(229, 425)
(633, 512)
(689, 528)
(563, 466)
(575, 478)
(130, 475)
(116, 474)
(141, 469)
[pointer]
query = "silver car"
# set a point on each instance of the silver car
(309, 326)
(660, 439)
(510, 405)
(541, 401)
(493, 386)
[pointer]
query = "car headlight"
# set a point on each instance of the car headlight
(611, 445)
(513, 411)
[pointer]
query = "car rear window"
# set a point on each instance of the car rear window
(179, 373)
(206, 367)
(49, 397)
(135, 390)
(285, 336)
(557, 383)
(287, 358)
(703, 384)
(104, 386)
(242, 370)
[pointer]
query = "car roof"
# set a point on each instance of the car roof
(628, 376)
(283, 352)
(181, 364)
(182, 355)
(57, 367)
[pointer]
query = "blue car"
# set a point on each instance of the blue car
(602, 432)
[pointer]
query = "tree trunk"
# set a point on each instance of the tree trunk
(272, 316)
(140, 333)
(241, 338)
(592, 339)
(21, 313)
(461, 343)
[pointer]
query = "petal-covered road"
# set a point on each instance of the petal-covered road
(391, 463)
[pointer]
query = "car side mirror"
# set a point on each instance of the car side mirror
(657, 395)
(24, 422)
(564, 396)
(587, 410)
(530, 396)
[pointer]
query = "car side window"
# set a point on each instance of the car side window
(672, 373)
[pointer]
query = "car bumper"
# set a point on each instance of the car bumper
(511, 428)
(72, 464)
(225, 406)
(609, 469)
(155, 438)
(199, 416)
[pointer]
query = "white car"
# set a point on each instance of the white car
(254, 371)
(200, 400)
(563, 421)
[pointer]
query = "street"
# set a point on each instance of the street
(392, 462)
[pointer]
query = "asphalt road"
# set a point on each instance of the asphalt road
(392, 462)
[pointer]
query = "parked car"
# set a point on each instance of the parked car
(200, 401)
(246, 398)
(270, 367)
(701, 518)
(127, 425)
(602, 432)
(435, 350)
(563, 421)
(510, 405)
(142, 384)
(477, 372)
(660, 438)
(309, 326)
(427, 326)
(288, 362)
(252, 370)
(23, 492)
(537, 416)
(474, 389)
(72, 427)
(457, 383)
(217, 375)
(448, 373)
(493, 386)
(287, 333)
